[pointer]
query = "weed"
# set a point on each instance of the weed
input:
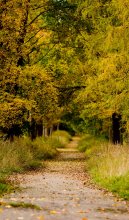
(24, 205)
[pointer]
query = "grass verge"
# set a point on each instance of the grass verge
(107, 164)
(24, 154)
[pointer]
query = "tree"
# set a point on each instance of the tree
(18, 31)
(106, 86)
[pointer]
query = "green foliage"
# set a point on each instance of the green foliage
(89, 143)
(61, 16)
(61, 138)
(43, 148)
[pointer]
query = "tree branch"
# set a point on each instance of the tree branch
(32, 36)
(36, 17)
(45, 54)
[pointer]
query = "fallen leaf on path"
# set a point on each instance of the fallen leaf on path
(53, 212)
(41, 217)
(83, 211)
(8, 206)
(101, 209)
(84, 218)
(13, 199)
(42, 199)
(1, 210)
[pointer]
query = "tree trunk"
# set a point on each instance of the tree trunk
(39, 129)
(51, 130)
(11, 138)
(58, 125)
(45, 131)
(116, 128)
(33, 130)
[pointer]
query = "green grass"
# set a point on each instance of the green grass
(107, 164)
(24, 205)
(5, 186)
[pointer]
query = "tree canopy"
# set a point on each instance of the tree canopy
(64, 60)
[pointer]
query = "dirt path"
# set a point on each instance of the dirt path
(63, 192)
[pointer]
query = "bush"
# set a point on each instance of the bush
(21, 155)
(89, 143)
(43, 148)
(14, 156)
(60, 138)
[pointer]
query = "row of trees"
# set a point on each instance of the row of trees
(64, 60)
(106, 96)
(28, 96)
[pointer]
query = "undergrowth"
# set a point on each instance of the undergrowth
(108, 164)
(24, 154)
(60, 138)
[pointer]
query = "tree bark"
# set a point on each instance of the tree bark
(39, 129)
(116, 128)
(33, 130)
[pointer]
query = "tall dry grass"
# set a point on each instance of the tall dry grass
(109, 160)
(108, 164)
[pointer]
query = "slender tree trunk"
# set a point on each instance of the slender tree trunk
(45, 131)
(116, 128)
(39, 129)
(51, 130)
(11, 138)
(33, 130)
(58, 125)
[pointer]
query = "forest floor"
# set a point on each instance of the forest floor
(61, 191)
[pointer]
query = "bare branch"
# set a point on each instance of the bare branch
(45, 54)
(33, 36)
(36, 18)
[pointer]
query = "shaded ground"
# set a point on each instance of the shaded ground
(63, 192)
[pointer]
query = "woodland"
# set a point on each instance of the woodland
(66, 63)
(64, 72)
